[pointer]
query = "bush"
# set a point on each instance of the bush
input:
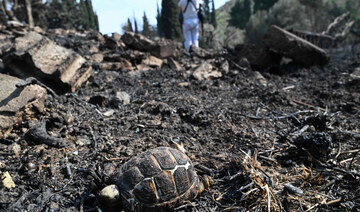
(257, 27)
(287, 14)
(233, 36)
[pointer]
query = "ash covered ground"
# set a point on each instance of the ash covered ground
(287, 142)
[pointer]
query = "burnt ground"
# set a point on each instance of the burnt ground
(292, 145)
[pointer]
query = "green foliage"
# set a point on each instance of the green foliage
(307, 15)
(233, 36)
(257, 27)
(136, 26)
(263, 4)
(87, 18)
(240, 14)
(97, 22)
(2, 15)
(92, 20)
(336, 10)
(70, 14)
(54, 15)
(287, 14)
(146, 26)
(318, 15)
(129, 26)
(159, 25)
(213, 15)
(62, 14)
(206, 7)
(169, 18)
(84, 19)
(353, 7)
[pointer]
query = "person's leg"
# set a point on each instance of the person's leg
(195, 33)
(187, 34)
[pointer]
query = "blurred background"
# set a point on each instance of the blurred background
(228, 23)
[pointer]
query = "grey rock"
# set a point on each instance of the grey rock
(163, 50)
(14, 100)
(123, 97)
(5, 43)
(205, 72)
(36, 56)
(152, 61)
(174, 65)
(259, 57)
(294, 47)
(137, 41)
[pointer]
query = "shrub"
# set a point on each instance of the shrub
(287, 14)
(233, 36)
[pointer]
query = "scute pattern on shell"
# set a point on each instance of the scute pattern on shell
(158, 178)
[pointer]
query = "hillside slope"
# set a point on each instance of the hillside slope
(223, 16)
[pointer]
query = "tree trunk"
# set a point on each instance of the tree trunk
(2, 14)
(8, 12)
(29, 13)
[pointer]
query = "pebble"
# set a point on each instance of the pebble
(7, 180)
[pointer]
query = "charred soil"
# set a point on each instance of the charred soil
(289, 145)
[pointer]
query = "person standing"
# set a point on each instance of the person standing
(189, 9)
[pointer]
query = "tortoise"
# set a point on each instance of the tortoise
(156, 180)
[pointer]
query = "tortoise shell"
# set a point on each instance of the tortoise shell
(157, 179)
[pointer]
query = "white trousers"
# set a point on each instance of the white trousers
(191, 32)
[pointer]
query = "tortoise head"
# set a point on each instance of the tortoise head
(205, 182)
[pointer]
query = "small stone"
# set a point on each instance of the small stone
(205, 72)
(153, 62)
(2, 164)
(109, 195)
(109, 113)
(54, 205)
(16, 149)
(30, 167)
(7, 180)
(83, 141)
(184, 84)
(225, 67)
(123, 97)
(97, 58)
(174, 65)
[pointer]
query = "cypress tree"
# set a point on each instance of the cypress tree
(87, 17)
(207, 9)
(240, 14)
(70, 14)
(40, 12)
(129, 26)
(2, 14)
(169, 18)
(136, 26)
(91, 14)
(146, 26)
(159, 25)
(54, 14)
(213, 15)
(84, 17)
(97, 28)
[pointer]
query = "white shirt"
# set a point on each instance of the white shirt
(191, 10)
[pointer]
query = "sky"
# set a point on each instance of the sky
(114, 13)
